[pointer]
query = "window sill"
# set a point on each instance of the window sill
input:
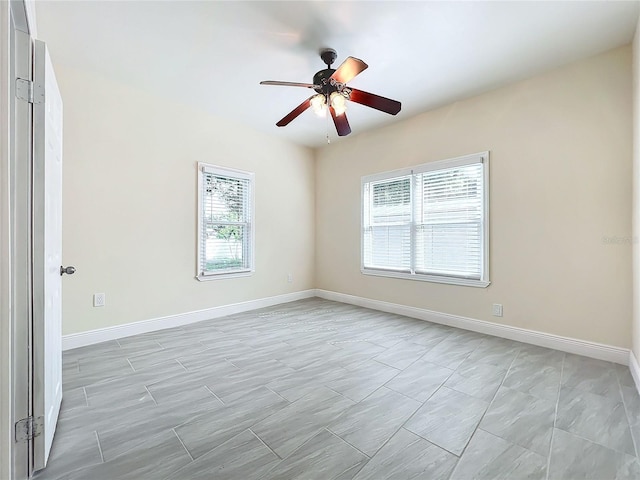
(427, 278)
(221, 276)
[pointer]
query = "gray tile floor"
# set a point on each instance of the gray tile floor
(322, 390)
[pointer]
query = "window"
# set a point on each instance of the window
(429, 222)
(225, 222)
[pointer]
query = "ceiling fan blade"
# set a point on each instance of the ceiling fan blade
(349, 69)
(295, 112)
(288, 84)
(341, 123)
(375, 101)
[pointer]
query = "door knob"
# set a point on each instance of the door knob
(67, 270)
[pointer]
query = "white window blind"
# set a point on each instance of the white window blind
(225, 222)
(387, 234)
(429, 223)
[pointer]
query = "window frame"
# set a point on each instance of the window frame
(475, 158)
(234, 174)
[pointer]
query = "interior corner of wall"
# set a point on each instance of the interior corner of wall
(634, 367)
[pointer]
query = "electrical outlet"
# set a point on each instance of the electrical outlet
(290, 277)
(497, 309)
(99, 299)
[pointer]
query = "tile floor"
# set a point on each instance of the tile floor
(322, 390)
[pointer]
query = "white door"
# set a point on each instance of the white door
(47, 252)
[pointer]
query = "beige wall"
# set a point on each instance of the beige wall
(129, 216)
(560, 183)
(636, 194)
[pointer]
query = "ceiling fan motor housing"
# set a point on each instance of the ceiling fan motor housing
(323, 80)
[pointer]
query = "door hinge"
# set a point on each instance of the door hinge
(29, 428)
(29, 91)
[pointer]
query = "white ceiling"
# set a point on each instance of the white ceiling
(213, 54)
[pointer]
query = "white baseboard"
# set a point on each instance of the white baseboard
(557, 342)
(571, 345)
(91, 337)
(635, 369)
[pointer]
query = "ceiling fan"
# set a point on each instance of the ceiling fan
(332, 92)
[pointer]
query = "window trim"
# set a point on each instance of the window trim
(484, 281)
(233, 173)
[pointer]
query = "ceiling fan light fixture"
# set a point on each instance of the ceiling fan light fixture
(319, 104)
(338, 102)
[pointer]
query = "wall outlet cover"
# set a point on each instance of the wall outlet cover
(99, 299)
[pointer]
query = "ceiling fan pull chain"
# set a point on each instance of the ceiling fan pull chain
(327, 116)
